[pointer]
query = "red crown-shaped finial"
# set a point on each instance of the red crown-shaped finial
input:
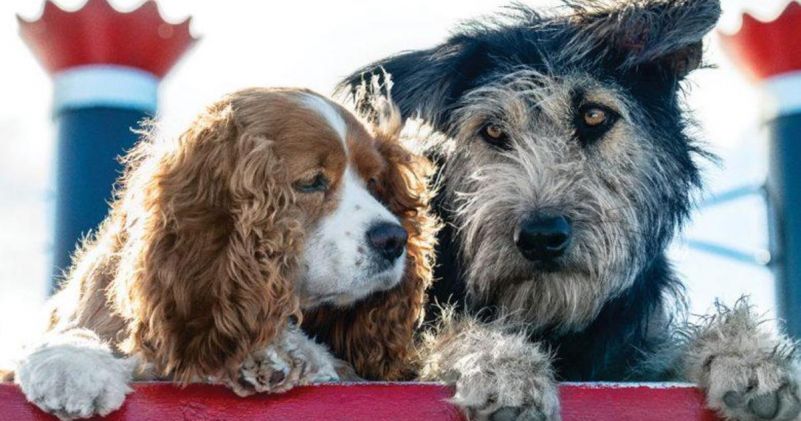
(99, 34)
(766, 49)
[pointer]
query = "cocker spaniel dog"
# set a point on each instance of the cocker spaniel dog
(274, 205)
(567, 168)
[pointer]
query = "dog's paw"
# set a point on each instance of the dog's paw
(72, 381)
(747, 390)
(293, 360)
(507, 384)
(507, 396)
(267, 371)
(496, 371)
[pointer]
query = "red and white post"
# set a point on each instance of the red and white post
(106, 67)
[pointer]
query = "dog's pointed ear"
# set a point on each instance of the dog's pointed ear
(426, 83)
(661, 34)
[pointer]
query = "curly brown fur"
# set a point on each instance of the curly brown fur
(198, 254)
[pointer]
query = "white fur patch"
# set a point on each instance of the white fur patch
(74, 376)
(340, 265)
(331, 115)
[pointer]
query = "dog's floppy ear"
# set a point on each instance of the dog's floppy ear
(210, 249)
(663, 34)
(427, 83)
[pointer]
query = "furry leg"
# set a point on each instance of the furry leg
(746, 372)
(497, 375)
(73, 374)
(292, 359)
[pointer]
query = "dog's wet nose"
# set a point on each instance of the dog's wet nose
(388, 239)
(542, 238)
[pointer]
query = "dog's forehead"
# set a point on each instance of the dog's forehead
(358, 145)
(326, 111)
(309, 131)
(516, 97)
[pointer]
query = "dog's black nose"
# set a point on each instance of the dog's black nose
(388, 239)
(542, 238)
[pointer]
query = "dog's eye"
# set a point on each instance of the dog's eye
(593, 121)
(495, 136)
(594, 117)
(314, 185)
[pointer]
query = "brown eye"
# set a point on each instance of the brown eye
(495, 135)
(494, 132)
(316, 184)
(594, 117)
(593, 121)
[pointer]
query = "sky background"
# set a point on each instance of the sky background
(314, 44)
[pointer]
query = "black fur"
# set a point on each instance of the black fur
(646, 47)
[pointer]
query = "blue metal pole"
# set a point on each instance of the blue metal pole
(96, 108)
(784, 193)
(770, 53)
(90, 142)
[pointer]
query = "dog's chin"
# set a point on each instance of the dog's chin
(370, 283)
(547, 267)
(379, 282)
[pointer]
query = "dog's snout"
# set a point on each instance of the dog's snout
(388, 239)
(543, 238)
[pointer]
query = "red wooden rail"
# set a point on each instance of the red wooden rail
(374, 402)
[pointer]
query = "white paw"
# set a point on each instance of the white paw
(763, 389)
(74, 380)
(291, 361)
(506, 385)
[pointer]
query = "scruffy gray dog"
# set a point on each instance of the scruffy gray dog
(566, 168)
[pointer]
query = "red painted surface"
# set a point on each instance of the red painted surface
(99, 34)
(766, 49)
(587, 402)
(374, 402)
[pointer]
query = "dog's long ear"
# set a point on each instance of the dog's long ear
(427, 82)
(210, 249)
(377, 335)
(655, 34)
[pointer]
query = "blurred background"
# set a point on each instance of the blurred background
(314, 44)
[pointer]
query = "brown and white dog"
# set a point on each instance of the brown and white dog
(274, 203)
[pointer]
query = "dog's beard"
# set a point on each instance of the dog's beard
(487, 205)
